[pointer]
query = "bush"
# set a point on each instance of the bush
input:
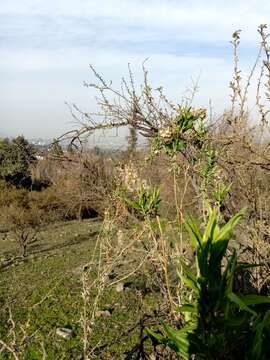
(15, 159)
(10, 195)
(23, 223)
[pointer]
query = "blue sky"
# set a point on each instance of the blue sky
(46, 47)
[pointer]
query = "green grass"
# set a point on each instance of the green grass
(44, 293)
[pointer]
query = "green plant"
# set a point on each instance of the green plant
(219, 324)
(10, 195)
(15, 159)
(174, 137)
(209, 165)
(145, 202)
(56, 148)
(221, 192)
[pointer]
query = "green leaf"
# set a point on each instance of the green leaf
(190, 279)
(221, 193)
(190, 283)
(155, 336)
(255, 299)
(179, 339)
(194, 232)
(226, 230)
(257, 345)
(256, 349)
(243, 266)
(188, 308)
(217, 252)
(211, 225)
(237, 300)
(202, 257)
(132, 204)
(228, 274)
(236, 321)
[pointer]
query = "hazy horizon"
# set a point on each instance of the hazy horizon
(46, 48)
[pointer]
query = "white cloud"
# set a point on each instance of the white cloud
(47, 46)
(214, 20)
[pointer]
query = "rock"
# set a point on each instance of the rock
(119, 287)
(64, 333)
(110, 308)
(103, 313)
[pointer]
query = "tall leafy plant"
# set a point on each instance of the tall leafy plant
(145, 202)
(218, 322)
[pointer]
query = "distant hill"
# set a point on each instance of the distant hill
(3, 136)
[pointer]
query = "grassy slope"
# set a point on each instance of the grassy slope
(44, 293)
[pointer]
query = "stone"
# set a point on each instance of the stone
(103, 313)
(119, 287)
(64, 333)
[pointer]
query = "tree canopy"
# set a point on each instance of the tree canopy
(16, 156)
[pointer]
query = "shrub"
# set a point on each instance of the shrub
(15, 159)
(23, 223)
(10, 195)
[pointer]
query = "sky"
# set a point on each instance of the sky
(46, 47)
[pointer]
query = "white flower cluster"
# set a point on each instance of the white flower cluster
(166, 134)
(129, 177)
(200, 113)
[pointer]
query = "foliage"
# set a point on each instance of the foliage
(15, 159)
(56, 148)
(174, 137)
(23, 223)
(209, 164)
(221, 192)
(218, 322)
(10, 195)
(23, 212)
(145, 202)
